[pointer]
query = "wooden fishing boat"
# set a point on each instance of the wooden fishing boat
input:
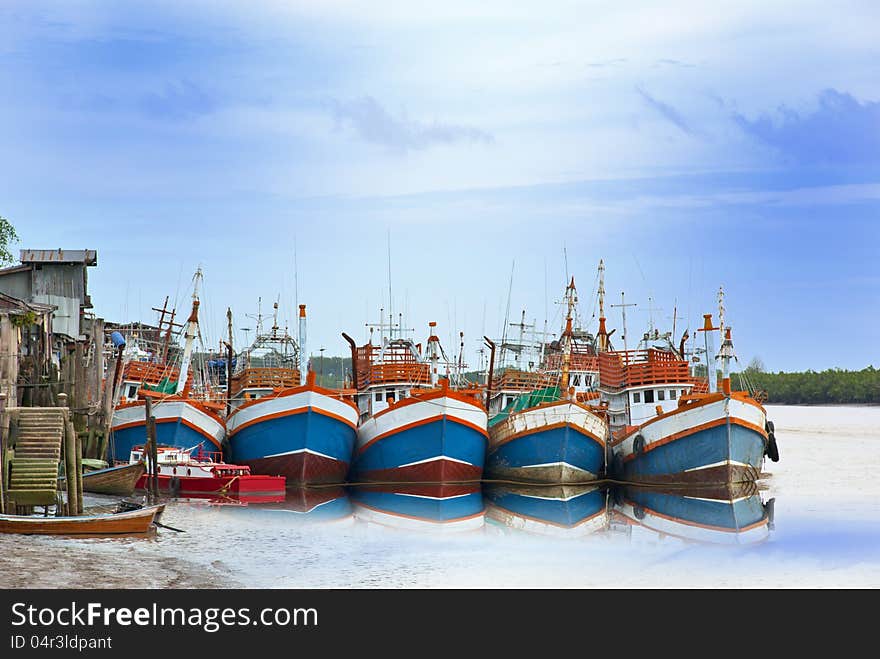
(550, 435)
(282, 423)
(671, 427)
(118, 481)
(187, 413)
(205, 475)
(415, 427)
(138, 521)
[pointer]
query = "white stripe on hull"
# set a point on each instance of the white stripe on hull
(691, 418)
(532, 420)
(434, 459)
(414, 413)
(282, 404)
(171, 411)
(299, 450)
(721, 463)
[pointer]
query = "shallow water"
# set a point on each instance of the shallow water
(822, 529)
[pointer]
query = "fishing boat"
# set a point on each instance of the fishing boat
(431, 507)
(557, 510)
(670, 426)
(205, 474)
(702, 515)
(137, 521)
(117, 481)
(550, 435)
(282, 422)
(187, 414)
(415, 427)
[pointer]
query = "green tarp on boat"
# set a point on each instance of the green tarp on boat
(525, 401)
(165, 386)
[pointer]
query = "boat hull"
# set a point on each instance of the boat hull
(137, 521)
(304, 435)
(557, 443)
(116, 481)
(425, 439)
(720, 440)
(221, 486)
(179, 424)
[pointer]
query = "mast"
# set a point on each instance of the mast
(432, 352)
(229, 353)
(623, 307)
(192, 325)
(707, 330)
(302, 345)
(571, 299)
(602, 334)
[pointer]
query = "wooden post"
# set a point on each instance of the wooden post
(4, 433)
(154, 456)
(79, 473)
(150, 449)
(69, 458)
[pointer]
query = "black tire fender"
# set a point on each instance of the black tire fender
(639, 445)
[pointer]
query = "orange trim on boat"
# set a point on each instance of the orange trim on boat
(704, 400)
(298, 410)
(280, 393)
(695, 429)
(188, 424)
(419, 397)
(552, 426)
(422, 422)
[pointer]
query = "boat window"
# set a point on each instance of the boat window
(378, 396)
(649, 395)
(188, 472)
(576, 380)
(637, 397)
(132, 391)
(672, 394)
(661, 394)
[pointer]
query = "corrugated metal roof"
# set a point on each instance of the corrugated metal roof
(86, 256)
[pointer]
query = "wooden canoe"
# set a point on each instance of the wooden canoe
(134, 521)
(118, 481)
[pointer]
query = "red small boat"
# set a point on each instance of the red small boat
(182, 474)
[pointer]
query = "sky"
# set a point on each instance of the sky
(495, 149)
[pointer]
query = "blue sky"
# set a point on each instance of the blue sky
(688, 146)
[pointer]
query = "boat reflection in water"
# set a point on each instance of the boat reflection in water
(726, 515)
(318, 505)
(435, 508)
(558, 510)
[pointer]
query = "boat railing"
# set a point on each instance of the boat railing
(516, 380)
(264, 378)
(634, 368)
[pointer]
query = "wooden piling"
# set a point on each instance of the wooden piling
(78, 443)
(69, 459)
(4, 433)
(151, 450)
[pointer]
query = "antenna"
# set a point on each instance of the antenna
(507, 311)
(390, 303)
(623, 307)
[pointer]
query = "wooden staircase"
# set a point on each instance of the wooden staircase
(36, 435)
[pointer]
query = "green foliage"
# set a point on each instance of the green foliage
(7, 237)
(23, 320)
(815, 388)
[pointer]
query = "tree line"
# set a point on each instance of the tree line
(831, 386)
